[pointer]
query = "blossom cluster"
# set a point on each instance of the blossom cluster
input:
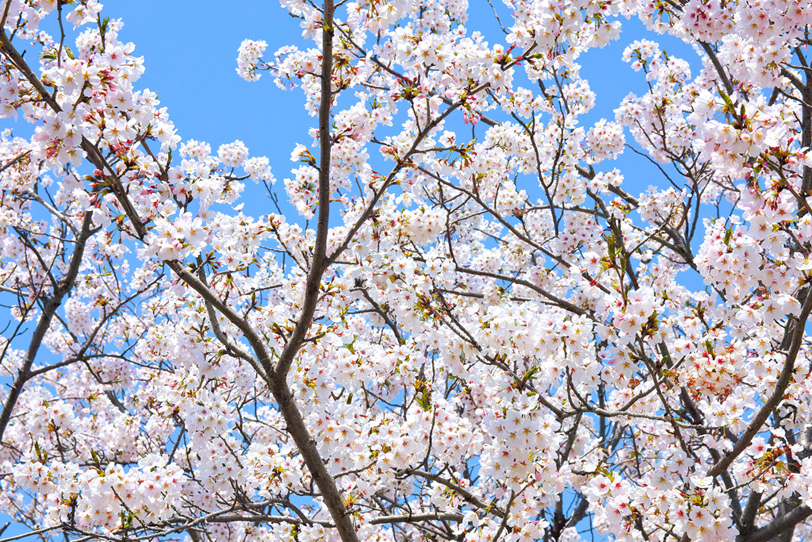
(464, 322)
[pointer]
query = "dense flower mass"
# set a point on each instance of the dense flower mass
(467, 321)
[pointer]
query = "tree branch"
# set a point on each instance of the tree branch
(777, 395)
(62, 289)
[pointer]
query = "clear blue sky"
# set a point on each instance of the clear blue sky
(190, 51)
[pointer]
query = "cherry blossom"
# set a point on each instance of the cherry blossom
(467, 317)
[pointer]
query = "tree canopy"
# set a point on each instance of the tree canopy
(456, 320)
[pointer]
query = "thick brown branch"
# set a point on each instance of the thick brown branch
(312, 458)
(778, 526)
(318, 263)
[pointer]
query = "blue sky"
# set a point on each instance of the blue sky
(190, 51)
